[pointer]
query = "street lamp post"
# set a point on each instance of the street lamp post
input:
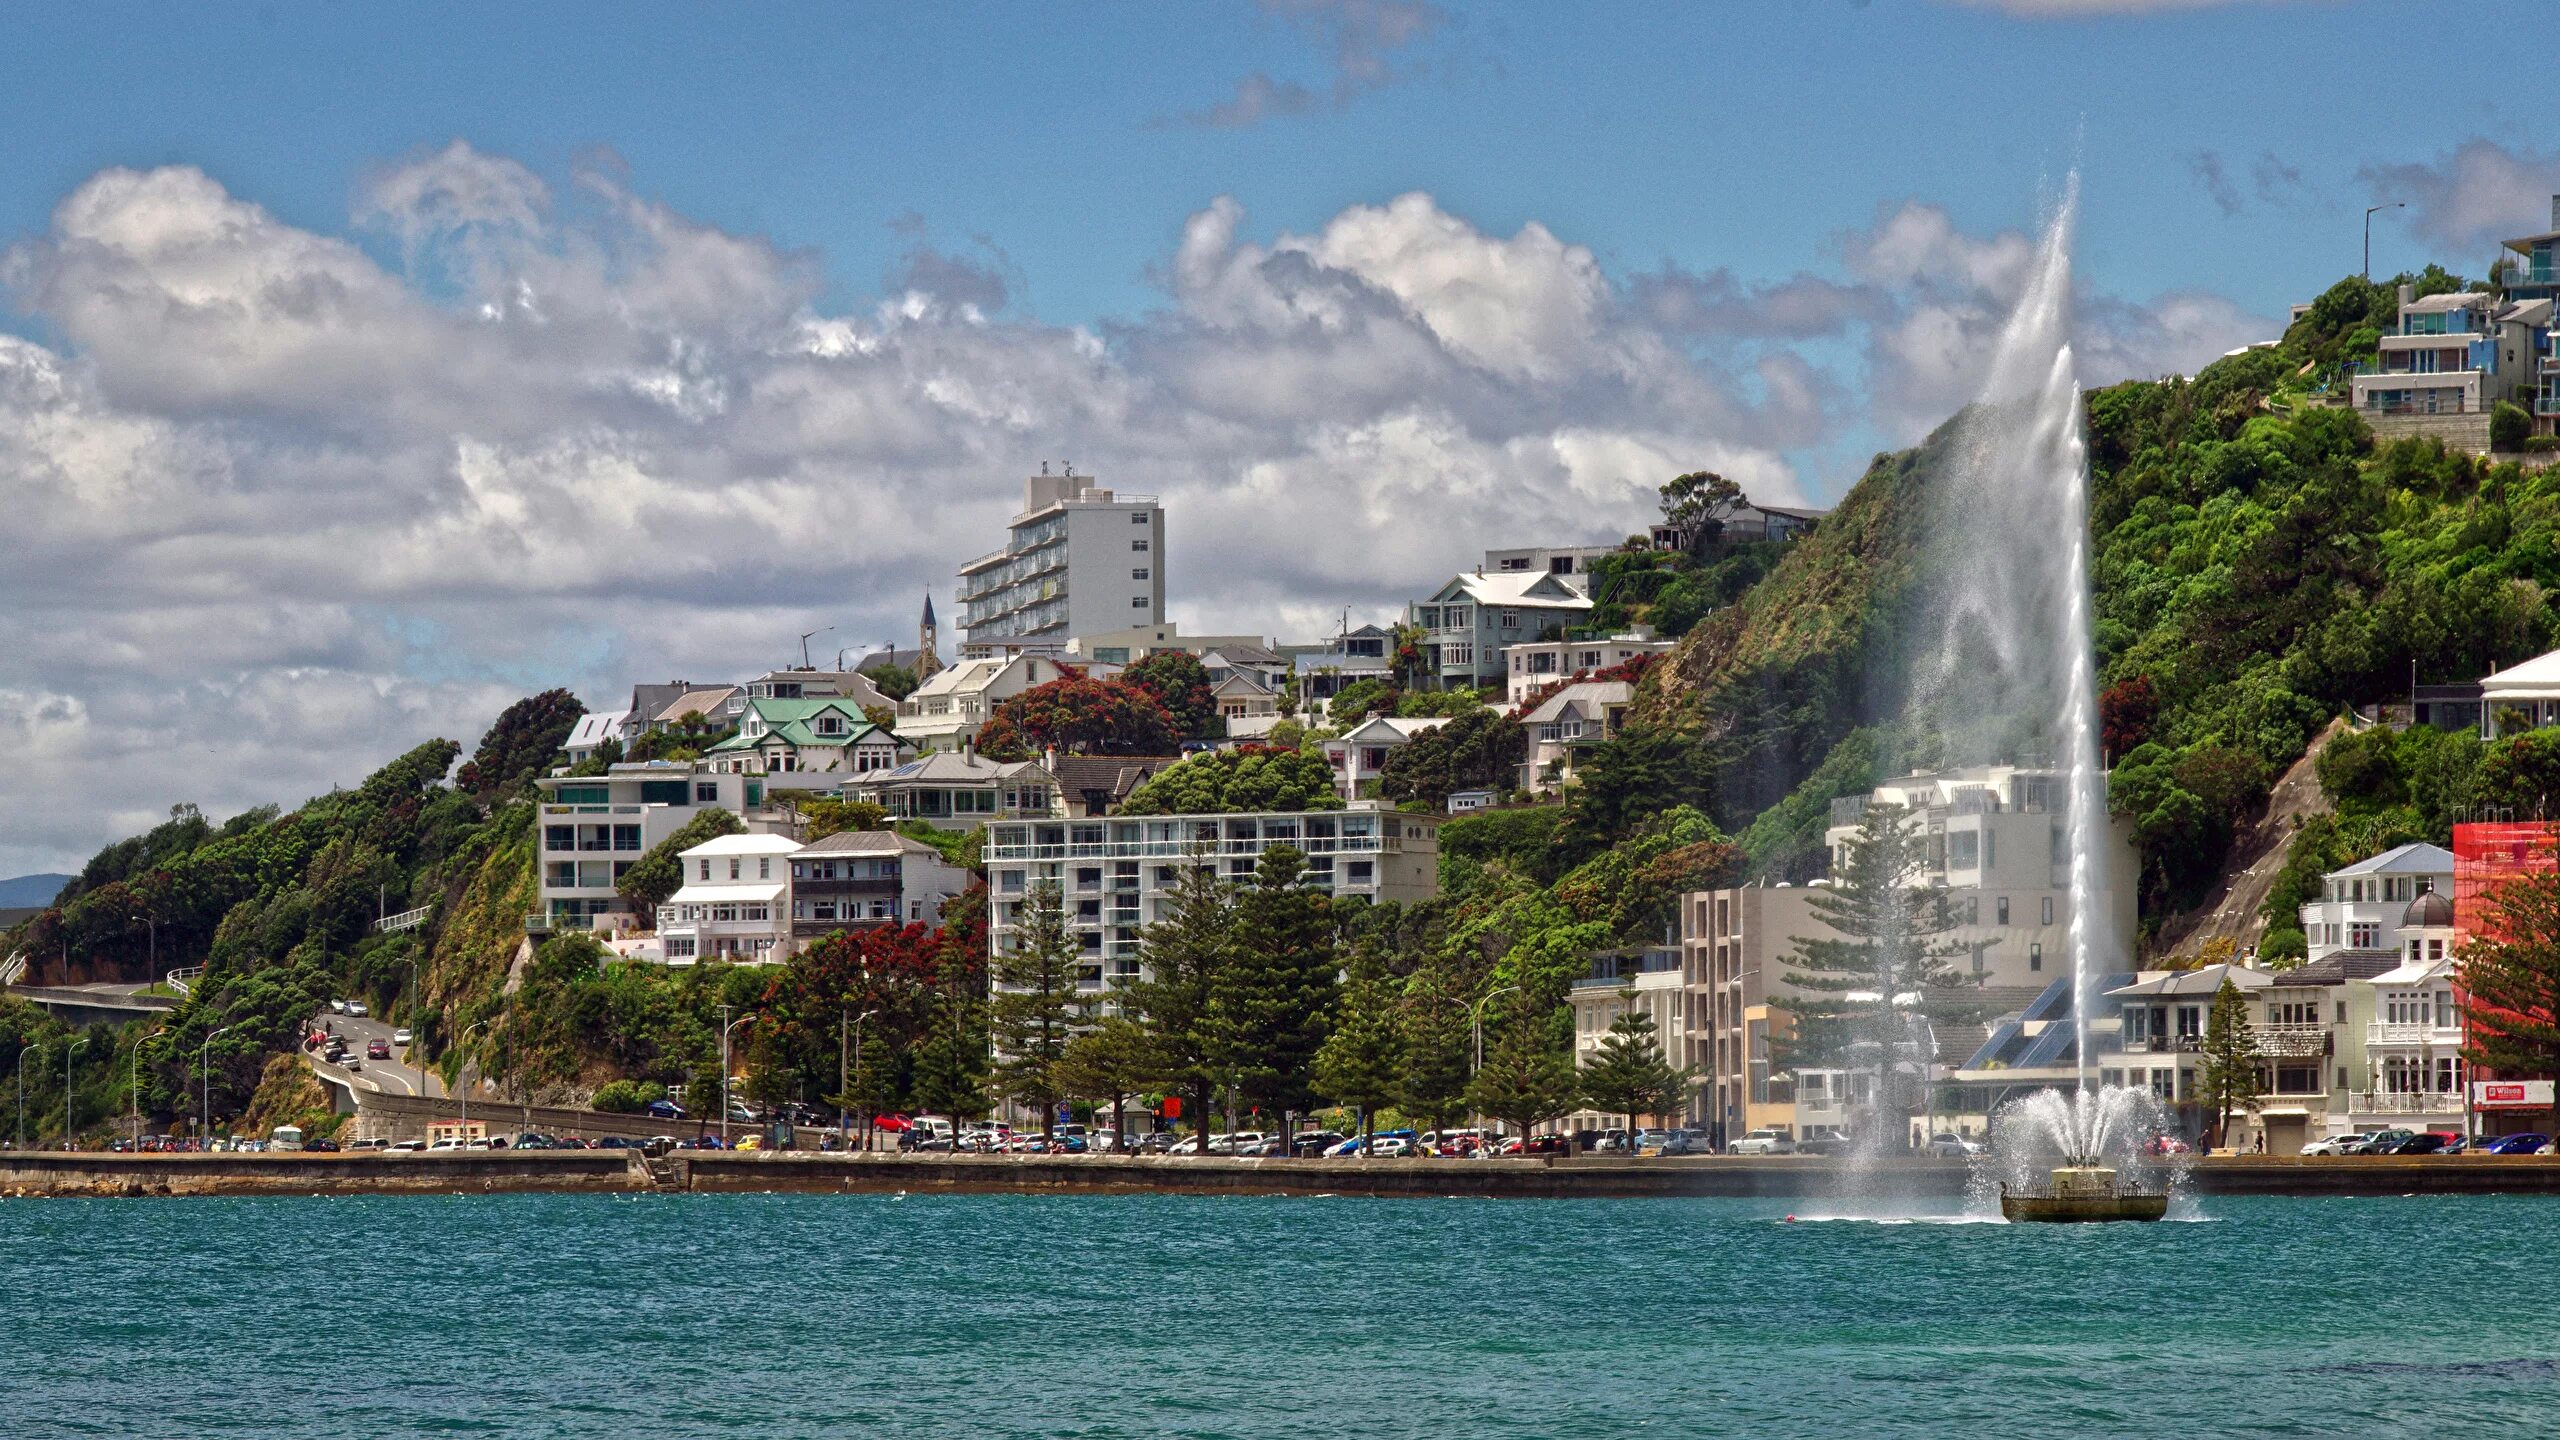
(462, 1074)
(2368, 231)
(204, 1062)
(67, 1052)
(844, 1077)
(22, 1095)
(1476, 1014)
(725, 1031)
(133, 1089)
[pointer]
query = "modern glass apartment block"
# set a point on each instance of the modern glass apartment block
(1077, 561)
(1117, 875)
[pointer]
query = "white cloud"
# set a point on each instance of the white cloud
(276, 511)
(2473, 196)
(1360, 41)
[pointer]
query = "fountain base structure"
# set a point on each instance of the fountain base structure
(2077, 1194)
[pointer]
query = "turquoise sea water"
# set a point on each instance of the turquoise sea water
(779, 1316)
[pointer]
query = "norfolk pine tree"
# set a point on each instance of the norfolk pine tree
(1274, 1000)
(1184, 955)
(1110, 1061)
(1361, 1064)
(1034, 1005)
(1628, 1074)
(1527, 1079)
(2230, 1075)
(1884, 958)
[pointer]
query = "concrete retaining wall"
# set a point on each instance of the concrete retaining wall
(42, 1173)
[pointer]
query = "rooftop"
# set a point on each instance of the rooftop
(745, 845)
(2418, 858)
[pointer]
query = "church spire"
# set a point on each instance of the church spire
(927, 638)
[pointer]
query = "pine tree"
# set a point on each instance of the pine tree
(1274, 1000)
(1111, 1061)
(1883, 962)
(1183, 957)
(2230, 1078)
(1034, 1006)
(951, 1056)
(2511, 983)
(1527, 1079)
(1432, 1086)
(1361, 1064)
(1628, 1075)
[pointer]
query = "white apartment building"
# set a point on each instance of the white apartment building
(1133, 643)
(945, 711)
(1532, 667)
(735, 904)
(1117, 876)
(591, 829)
(1078, 560)
(2361, 906)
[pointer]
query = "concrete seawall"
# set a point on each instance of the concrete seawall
(476, 1172)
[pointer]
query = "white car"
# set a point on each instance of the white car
(1765, 1142)
(355, 1007)
(401, 1036)
(1944, 1146)
(2334, 1145)
(338, 1007)
(407, 1147)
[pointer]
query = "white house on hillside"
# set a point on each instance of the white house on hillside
(1359, 756)
(735, 903)
(2362, 906)
(949, 708)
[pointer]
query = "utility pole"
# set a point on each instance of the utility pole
(2368, 232)
(204, 1062)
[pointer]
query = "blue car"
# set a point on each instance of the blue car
(1352, 1145)
(665, 1110)
(2516, 1145)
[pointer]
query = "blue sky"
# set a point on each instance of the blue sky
(363, 367)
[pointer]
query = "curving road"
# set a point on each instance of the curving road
(396, 1076)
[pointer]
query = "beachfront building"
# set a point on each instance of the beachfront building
(735, 903)
(1077, 560)
(591, 829)
(1117, 876)
(2412, 1073)
(1997, 839)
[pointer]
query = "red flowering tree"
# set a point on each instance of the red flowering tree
(1079, 716)
(1180, 683)
(2126, 711)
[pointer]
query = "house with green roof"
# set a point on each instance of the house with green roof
(825, 735)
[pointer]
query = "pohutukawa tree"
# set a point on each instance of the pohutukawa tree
(1884, 966)
(2510, 973)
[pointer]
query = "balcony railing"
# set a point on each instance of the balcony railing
(2442, 1037)
(2405, 1102)
(2163, 1044)
(1184, 849)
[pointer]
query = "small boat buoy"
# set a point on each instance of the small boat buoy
(1791, 1219)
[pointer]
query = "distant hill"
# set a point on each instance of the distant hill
(31, 891)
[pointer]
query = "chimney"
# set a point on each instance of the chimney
(2407, 294)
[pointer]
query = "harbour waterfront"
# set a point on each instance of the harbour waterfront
(781, 1315)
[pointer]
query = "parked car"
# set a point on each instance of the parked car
(1398, 1146)
(1765, 1142)
(665, 1110)
(406, 1147)
(1947, 1145)
(1830, 1143)
(377, 1050)
(1542, 1145)
(2425, 1142)
(1613, 1142)
(2380, 1142)
(321, 1146)
(2529, 1143)
(352, 1063)
(2335, 1145)
(1315, 1142)
(535, 1140)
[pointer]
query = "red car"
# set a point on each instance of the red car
(377, 1050)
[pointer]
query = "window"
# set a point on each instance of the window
(626, 837)
(733, 867)
(2035, 957)
(559, 837)
(2363, 934)
(1137, 574)
(1964, 849)
(1510, 619)
(1138, 517)
(1138, 602)
(764, 867)
(2002, 906)
(1138, 545)
(706, 869)
(2048, 909)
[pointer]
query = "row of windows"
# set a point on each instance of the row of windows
(720, 914)
(764, 868)
(596, 837)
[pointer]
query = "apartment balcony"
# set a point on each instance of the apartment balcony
(2432, 1037)
(1185, 849)
(2292, 1042)
(2405, 1102)
(2163, 1044)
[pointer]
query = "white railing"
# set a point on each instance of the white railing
(405, 920)
(13, 969)
(2405, 1102)
(2385, 1032)
(182, 978)
(1185, 849)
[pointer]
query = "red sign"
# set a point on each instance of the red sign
(1173, 1107)
(2501, 1094)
